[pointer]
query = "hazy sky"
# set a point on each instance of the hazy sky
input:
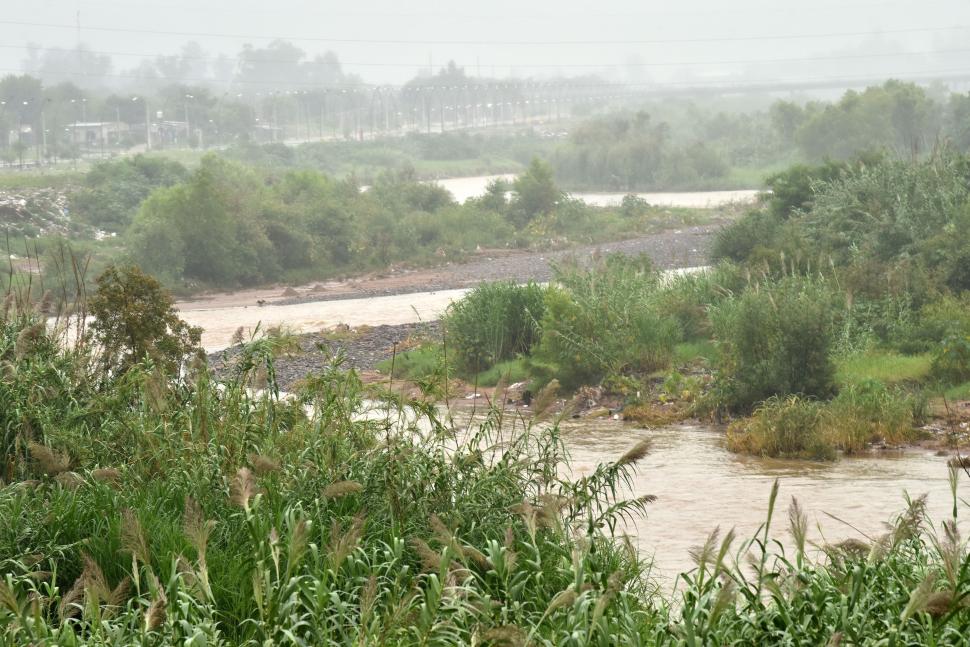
(692, 39)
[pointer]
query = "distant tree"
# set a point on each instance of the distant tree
(211, 223)
(135, 319)
(535, 193)
(114, 190)
(786, 118)
(894, 115)
(958, 121)
(496, 197)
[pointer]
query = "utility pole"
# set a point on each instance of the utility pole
(148, 127)
(43, 134)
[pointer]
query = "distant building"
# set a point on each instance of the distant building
(96, 133)
(25, 136)
(264, 133)
(169, 132)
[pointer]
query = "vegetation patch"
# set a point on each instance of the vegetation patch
(882, 365)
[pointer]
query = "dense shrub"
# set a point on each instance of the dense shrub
(738, 241)
(603, 321)
(629, 152)
(882, 228)
(789, 427)
(776, 339)
(951, 362)
(114, 190)
(688, 297)
(799, 427)
(495, 322)
(230, 225)
(135, 320)
(869, 412)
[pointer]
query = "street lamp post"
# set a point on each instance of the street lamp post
(20, 135)
(188, 126)
(148, 122)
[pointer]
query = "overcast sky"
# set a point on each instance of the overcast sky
(701, 39)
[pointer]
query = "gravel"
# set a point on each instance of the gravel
(366, 347)
(685, 247)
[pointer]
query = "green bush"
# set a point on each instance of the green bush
(789, 427)
(135, 320)
(688, 297)
(775, 339)
(951, 363)
(604, 321)
(739, 240)
(868, 411)
(494, 322)
(114, 190)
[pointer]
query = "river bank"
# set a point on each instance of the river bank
(396, 298)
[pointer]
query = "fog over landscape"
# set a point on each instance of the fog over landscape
(388, 42)
(495, 323)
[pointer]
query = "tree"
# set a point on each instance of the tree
(536, 194)
(215, 217)
(135, 319)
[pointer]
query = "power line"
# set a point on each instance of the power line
(241, 58)
(951, 74)
(378, 41)
(730, 8)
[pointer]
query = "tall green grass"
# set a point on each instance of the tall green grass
(153, 510)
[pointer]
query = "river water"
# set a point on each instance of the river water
(700, 486)
(463, 188)
(219, 324)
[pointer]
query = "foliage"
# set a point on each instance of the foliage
(884, 366)
(114, 190)
(206, 229)
(774, 340)
(495, 322)
(868, 411)
(535, 194)
(602, 321)
(895, 115)
(887, 227)
(631, 152)
(135, 319)
(951, 363)
(229, 225)
(195, 511)
(153, 510)
(796, 427)
(787, 427)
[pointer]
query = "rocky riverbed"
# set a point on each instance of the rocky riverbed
(362, 348)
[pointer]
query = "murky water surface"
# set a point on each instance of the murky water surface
(219, 324)
(463, 188)
(700, 485)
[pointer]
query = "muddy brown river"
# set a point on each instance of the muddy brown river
(463, 188)
(700, 485)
